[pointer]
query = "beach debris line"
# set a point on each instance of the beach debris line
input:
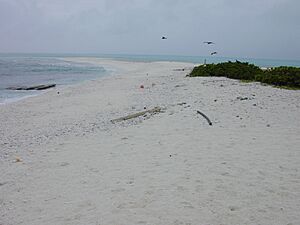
(29, 88)
(202, 114)
(153, 111)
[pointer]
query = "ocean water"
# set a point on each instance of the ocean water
(34, 69)
(29, 70)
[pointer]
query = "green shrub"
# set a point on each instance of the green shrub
(280, 76)
(284, 76)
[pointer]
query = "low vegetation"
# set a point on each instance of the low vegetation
(280, 76)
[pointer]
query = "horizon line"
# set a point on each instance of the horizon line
(141, 54)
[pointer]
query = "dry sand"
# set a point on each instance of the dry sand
(76, 167)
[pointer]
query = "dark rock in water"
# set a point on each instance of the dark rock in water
(29, 88)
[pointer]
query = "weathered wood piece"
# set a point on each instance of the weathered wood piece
(29, 88)
(202, 114)
(135, 115)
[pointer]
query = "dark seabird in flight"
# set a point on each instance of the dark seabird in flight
(213, 53)
(209, 42)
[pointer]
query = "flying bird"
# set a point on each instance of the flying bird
(163, 37)
(213, 53)
(209, 42)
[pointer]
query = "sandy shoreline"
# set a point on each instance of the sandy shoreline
(170, 168)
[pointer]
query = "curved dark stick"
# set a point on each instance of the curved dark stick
(202, 114)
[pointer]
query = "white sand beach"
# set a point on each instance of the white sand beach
(63, 162)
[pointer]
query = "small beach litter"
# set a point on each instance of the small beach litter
(2, 183)
(242, 98)
(18, 159)
(142, 86)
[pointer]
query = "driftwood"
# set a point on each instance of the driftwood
(208, 120)
(151, 111)
(29, 88)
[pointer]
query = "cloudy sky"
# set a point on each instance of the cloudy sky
(241, 28)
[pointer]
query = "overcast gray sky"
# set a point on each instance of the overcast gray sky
(241, 28)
